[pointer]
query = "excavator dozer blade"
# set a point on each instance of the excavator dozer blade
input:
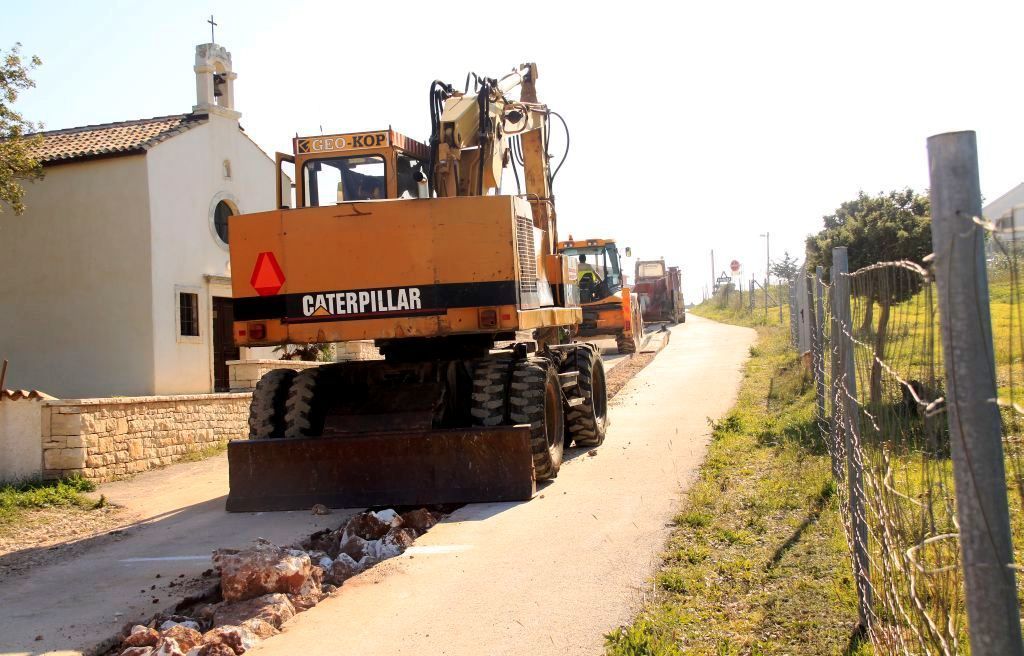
(464, 465)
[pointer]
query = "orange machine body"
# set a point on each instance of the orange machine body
(393, 268)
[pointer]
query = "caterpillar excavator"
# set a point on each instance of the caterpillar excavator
(609, 307)
(414, 246)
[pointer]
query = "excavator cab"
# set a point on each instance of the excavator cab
(360, 166)
(598, 270)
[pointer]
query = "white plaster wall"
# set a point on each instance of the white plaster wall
(21, 444)
(75, 296)
(185, 177)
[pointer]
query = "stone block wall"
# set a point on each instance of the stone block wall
(361, 350)
(107, 438)
(244, 374)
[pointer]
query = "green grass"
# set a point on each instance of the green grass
(757, 562)
(16, 498)
(734, 308)
(203, 454)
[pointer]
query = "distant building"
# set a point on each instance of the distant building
(1007, 213)
(116, 279)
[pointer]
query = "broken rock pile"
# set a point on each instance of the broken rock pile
(264, 586)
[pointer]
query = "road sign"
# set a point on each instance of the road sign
(735, 266)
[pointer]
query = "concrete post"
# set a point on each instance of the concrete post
(975, 427)
(818, 332)
(851, 434)
(835, 423)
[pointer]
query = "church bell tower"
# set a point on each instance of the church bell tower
(215, 82)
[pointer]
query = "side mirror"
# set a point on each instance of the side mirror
(629, 252)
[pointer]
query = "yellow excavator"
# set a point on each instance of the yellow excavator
(414, 246)
(610, 308)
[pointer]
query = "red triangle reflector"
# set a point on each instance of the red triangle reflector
(267, 277)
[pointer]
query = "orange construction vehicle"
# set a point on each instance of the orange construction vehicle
(660, 290)
(609, 307)
(412, 245)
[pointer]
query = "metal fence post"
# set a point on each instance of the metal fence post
(974, 423)
(751, 294)
(851, 433)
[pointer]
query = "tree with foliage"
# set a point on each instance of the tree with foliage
(16, 161)
(884, 228)
(786, 268)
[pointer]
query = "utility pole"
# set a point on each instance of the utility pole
(712, 272)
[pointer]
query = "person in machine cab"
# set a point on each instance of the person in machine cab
(585, 270)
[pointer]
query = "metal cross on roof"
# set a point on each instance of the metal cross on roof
(212, 25)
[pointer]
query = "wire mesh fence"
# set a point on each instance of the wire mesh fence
(919, 372)
(880, 374)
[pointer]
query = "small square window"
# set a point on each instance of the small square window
(188, 311)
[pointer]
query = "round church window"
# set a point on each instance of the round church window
(220, 220)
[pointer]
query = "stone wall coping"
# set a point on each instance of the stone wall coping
(282, 363)
(127, 400)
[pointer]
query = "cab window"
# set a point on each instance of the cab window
(335, 180)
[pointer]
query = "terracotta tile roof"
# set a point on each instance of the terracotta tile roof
(17, 394)
(110, 139)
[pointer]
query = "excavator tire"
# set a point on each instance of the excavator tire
(535, 398)
(487, 406)
(587, 423)
(267, 409)
(306, 404)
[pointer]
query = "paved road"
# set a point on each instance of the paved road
(465, 569)
(87, 594)
(553, 575)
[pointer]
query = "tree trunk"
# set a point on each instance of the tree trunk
(876, 366)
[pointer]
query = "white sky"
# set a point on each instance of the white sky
(695, 126)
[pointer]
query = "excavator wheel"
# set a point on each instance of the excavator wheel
(306, 405)
(624, 343)
(489, 387)
(535, 398)
(587, 423)
(267, 408)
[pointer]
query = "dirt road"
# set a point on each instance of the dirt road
(553, 575)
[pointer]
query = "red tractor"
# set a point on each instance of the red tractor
(660, 291)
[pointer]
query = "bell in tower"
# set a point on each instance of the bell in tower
(215, 81)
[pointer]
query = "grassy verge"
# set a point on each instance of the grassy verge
(16, 498)
(757, 562)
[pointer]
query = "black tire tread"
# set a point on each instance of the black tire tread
(304, 406)
(581, 422)
(526, 406)
(267, 408)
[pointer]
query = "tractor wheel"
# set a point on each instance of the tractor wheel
(535, 398)
(624, 343)
(587, 422)
(487, 404)
(306, 405)
(267, 408)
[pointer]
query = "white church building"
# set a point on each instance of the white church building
(115, 281)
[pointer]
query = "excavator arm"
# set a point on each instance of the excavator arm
(470, 144)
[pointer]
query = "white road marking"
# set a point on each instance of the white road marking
(437, 549)
(158, 559)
